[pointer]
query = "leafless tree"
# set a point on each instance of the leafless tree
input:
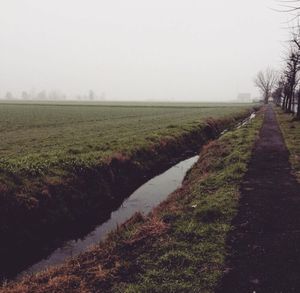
(92, 95)
(289, 6)
(296, 43)
(292, 78)
(266, 81)
(279, 90)
(292, 74)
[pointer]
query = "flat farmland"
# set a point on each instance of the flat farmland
(36, 137)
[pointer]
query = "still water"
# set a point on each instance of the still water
(143, 200)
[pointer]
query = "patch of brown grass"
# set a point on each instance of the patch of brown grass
(153, 227)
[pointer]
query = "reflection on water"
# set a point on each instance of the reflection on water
(142, 200)
(246, 121)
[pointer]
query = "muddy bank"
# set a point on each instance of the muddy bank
(55, 208)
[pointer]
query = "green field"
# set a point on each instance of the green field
(36, 137)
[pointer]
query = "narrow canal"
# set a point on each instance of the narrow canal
(143, 200)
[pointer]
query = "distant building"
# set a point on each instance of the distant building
(244, 97)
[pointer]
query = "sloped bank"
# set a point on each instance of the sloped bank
(180, 247)
(52, 208)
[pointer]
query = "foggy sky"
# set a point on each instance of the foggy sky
(139, 49)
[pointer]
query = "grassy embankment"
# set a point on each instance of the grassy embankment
(291, 132)
(180, 247)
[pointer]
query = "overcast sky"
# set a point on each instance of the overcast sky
(139, 49)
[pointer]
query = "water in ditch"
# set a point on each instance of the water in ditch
(143, 200)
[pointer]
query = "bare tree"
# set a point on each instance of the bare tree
(279, 90)
(296, 42)
(266, 81)
(291, 74)
(289, 6)
(92, 95)
(292, 78)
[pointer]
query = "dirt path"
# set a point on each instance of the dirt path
(265, 246)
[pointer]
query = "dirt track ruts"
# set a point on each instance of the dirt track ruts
(264, 247)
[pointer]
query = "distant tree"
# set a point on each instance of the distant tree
(266, 81)
(42, 95)
(24, 95)
(92, 95)
(9, 96)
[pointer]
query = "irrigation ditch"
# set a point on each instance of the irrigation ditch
(74, 207)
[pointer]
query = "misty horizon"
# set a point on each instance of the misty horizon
(175, 50)
(91, 96)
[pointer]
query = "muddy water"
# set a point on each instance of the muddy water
(143, 200)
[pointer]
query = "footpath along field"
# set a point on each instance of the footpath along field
(63, 162)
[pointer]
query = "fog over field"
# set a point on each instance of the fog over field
(137, 49)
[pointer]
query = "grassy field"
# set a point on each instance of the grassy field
(180, 247)
(36, 137)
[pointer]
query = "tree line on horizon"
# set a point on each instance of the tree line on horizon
(52, 95)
